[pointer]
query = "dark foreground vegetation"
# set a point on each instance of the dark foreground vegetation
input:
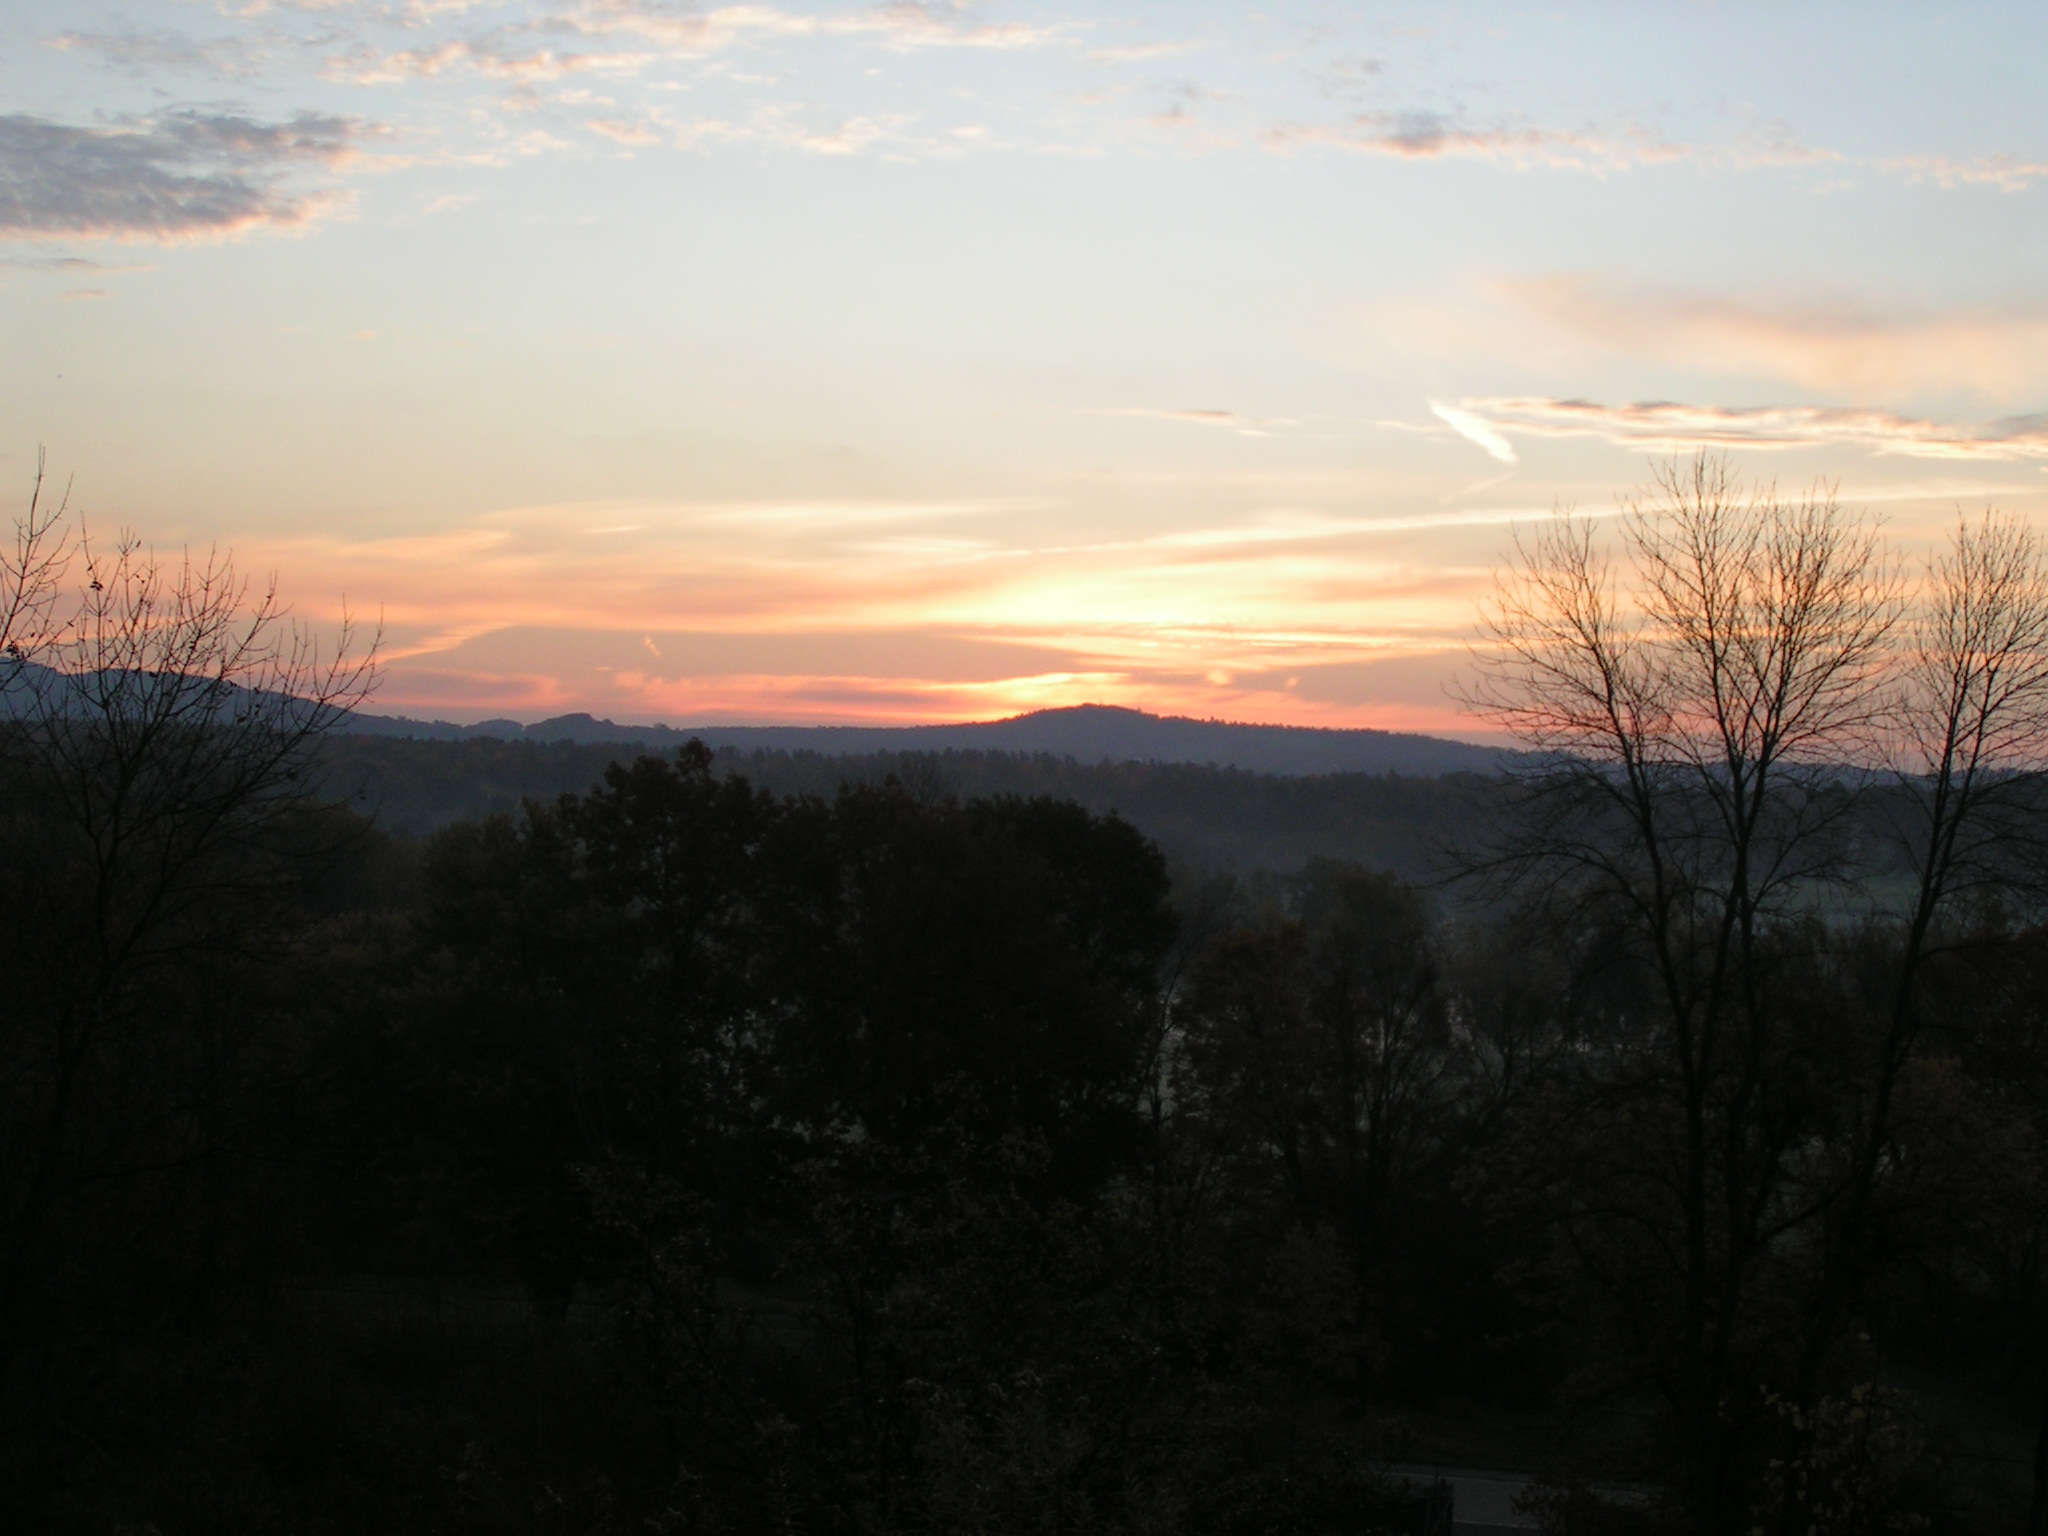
(681, 1157)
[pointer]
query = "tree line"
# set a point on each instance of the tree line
(1200, 815)
(679, 1156)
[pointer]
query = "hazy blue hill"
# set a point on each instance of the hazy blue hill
(1088, 733)
(1223, 818)
(1227, 796)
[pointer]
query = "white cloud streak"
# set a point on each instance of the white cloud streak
(1666, 426)
(1474, 429)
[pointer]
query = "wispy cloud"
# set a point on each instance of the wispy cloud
(633, 135)
(1338, 89)
(2007, 173)
(72, 264)
(155, 52)
(1666, 426)
(839, 516)
(1247, 426)
(908, 25)
(1142, 53)
(1474, 429)
(181, 175)
(1326, 94)
(1268, 587)
(685, 34)
(1517, 144)
(1821, 345)
(479, 56)
(904, 27)
(1348, 76)
(1423, 135)
(784, 126)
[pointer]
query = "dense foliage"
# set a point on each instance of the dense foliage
(680, 1157)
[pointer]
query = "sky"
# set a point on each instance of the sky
(912, 362)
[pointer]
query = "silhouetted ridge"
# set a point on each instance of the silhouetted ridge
(1089, 733)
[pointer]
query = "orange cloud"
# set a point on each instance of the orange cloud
(871, 610)
(854, 610)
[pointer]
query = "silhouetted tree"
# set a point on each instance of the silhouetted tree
(1714, 712)
(159, 751)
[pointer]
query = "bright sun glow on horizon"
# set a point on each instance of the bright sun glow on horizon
(929, 362)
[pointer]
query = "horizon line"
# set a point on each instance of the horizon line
(921, 725)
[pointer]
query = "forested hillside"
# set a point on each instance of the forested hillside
(1212, 818)
(1087, 733)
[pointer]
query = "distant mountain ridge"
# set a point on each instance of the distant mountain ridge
(1087, 733)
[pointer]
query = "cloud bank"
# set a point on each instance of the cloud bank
(182, 175)
(1822, 345)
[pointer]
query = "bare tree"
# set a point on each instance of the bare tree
(165, 725)
(1964, 749)
(1969, 732)
(1715, 707)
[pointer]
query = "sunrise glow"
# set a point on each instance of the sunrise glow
(919, 362)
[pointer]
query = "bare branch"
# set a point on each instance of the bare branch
(31, 573)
